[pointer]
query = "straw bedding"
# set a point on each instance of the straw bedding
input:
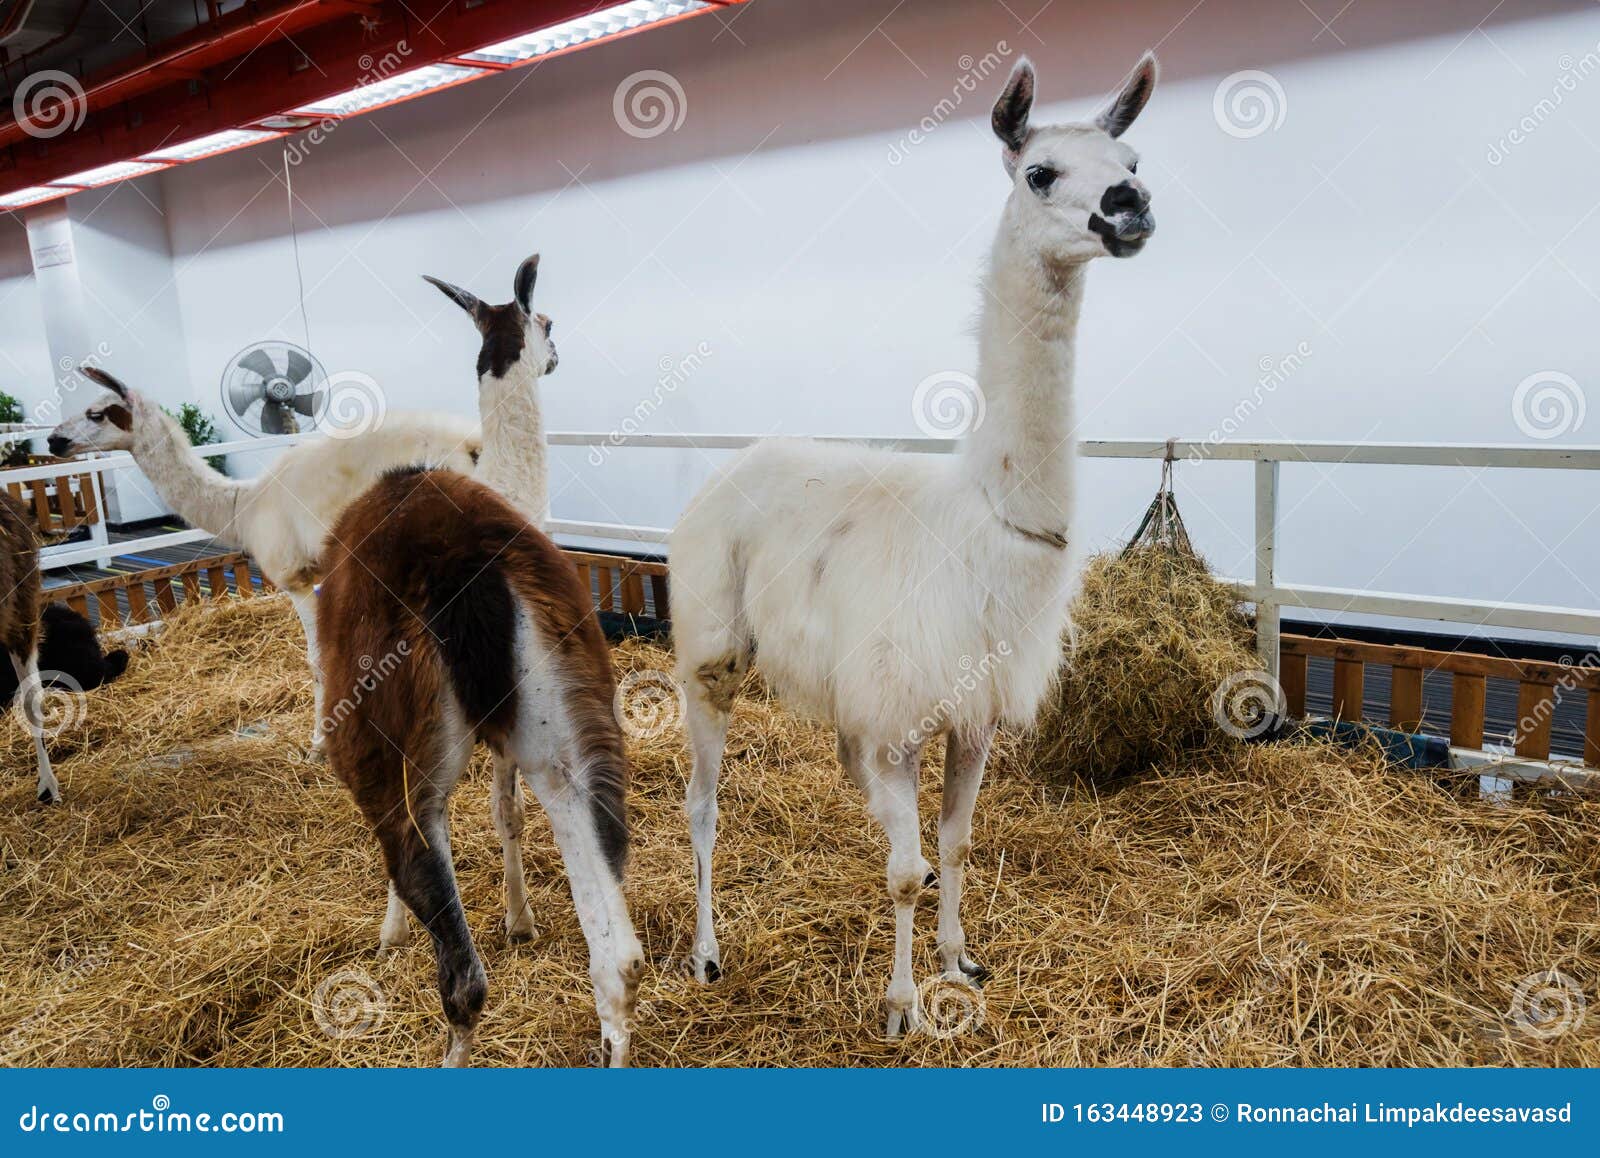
(206, 897)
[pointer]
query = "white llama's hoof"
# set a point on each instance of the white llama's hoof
(519, 926)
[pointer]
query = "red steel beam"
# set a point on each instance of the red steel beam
(270, 75)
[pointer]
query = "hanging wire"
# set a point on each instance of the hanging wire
(294, 234)
(1162, 526)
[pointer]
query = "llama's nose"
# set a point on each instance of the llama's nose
(1127, 197)
(59, 444)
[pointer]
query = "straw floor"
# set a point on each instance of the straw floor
(207, 897)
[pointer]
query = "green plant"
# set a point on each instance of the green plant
(14, 453)
(201, 430)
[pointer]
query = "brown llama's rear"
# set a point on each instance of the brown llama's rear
(445, 618)
(20, 602)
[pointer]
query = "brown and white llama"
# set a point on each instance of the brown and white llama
(499, 642)
(515, 352)
(20, 605)
(871, 584)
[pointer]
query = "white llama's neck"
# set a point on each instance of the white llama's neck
(1022, 453)
(513, 458)
(201, 496)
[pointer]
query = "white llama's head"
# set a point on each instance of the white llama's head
(513, 335)
(1075, 195)
(106, 424)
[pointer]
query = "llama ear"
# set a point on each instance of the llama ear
(1010, 116)
(527, 274)
(1131, 98)
(456, 294)
(95, 374)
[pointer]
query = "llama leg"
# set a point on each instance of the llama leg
(509, 816)
(616, 960)
(305, 606)
(396, 930)
(963, 773)
(425, 878)
(30, 698)
(888, 776)
(708, 733)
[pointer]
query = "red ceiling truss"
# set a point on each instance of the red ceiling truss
(256, 63)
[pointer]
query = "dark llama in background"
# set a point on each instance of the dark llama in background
(67, 646)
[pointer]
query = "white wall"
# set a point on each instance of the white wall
(25, 368)
(827, 280)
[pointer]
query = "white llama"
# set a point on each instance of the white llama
(872, 584)
(283, 515)
(516, 352)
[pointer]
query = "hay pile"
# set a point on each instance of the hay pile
(1288, 906)
(1156, 637)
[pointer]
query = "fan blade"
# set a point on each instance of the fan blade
(275, 419)
(242, 395)
(309, 404)
(300, 366)
(259, 362)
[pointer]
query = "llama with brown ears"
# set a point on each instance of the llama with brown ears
(499, 642)
(20, 603)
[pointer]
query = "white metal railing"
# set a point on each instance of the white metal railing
(1268, 595)
(99, 550)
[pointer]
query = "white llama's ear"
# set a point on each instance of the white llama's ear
(1010, 116)
(95, 374)
(456, 294)
(1130, 99)
(527, 274)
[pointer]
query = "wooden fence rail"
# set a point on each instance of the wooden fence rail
(141, 597)
(1539, 684)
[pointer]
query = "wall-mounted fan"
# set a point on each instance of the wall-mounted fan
(268, 388)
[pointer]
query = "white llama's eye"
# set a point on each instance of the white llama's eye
(95, 415)
(1040, 178)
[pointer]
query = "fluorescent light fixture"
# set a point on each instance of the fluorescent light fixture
(107, 174)
(209, 146)
(31, 196)
(607, 22)
(401, 86)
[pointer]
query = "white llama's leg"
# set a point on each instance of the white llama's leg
(509, 816)
(305, 606)
(708, 734)
(30, 698)
(963, 772)
(888, 776)
(616, 960)
(396, 929)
